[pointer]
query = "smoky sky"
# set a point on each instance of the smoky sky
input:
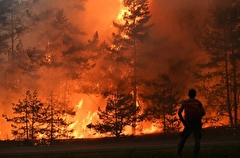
(176, 23)
(175, 26)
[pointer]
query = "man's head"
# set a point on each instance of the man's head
(192, 93)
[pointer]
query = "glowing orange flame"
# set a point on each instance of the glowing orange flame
(80, 125)
(123, 10)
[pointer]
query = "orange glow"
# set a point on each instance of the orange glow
(83, 118)
(147, 127)
(85, 115)
(123, 10)
(79, 105)
(98, 16)
(40, 136)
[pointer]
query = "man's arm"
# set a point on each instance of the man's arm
(203, 111)
(180, 115)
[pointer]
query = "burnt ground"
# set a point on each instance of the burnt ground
(211, 137)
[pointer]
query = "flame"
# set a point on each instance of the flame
(123, 10)
(149, 127)
(79, 105)
(40, 135)
(84, 118)
(48, 57)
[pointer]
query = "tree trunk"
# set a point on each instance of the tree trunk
(235, 104)
(164, 119)
(12, 35)
(228, 91)
(26, 123)
(134, 81)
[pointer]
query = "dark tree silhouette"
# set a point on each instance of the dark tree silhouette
(27, 119)
(14, 24)
(118, 114)
(56, 120)
(132, 32)
(219, 74)
(161, 99)
(33, 120)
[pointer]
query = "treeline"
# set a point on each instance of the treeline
(125, 70)
(35, 120)
(218, 76)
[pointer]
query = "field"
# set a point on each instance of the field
(220, 142)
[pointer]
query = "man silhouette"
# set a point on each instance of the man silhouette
(192, 121)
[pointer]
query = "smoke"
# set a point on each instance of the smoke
(174, 33)
(177, 22)
(98, 16)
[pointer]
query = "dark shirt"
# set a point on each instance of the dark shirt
(193, 102)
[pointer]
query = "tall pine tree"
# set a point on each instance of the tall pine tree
(27, 119)
(161, 99)
(119, 113)
(131, 33)
(220, 39)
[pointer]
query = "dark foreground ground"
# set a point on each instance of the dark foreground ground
(220, 142)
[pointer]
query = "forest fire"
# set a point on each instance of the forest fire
(122, 11)
(81, 120)
(69, 79)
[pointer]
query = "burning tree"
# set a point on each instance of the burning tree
(161, 100)
(120, 112)
(26, 123)
(14, 25)
(67, 54)
(34, 120)
(56, 120)
(219, 74)
(132, 31)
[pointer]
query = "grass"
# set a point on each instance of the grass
(221, 151)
